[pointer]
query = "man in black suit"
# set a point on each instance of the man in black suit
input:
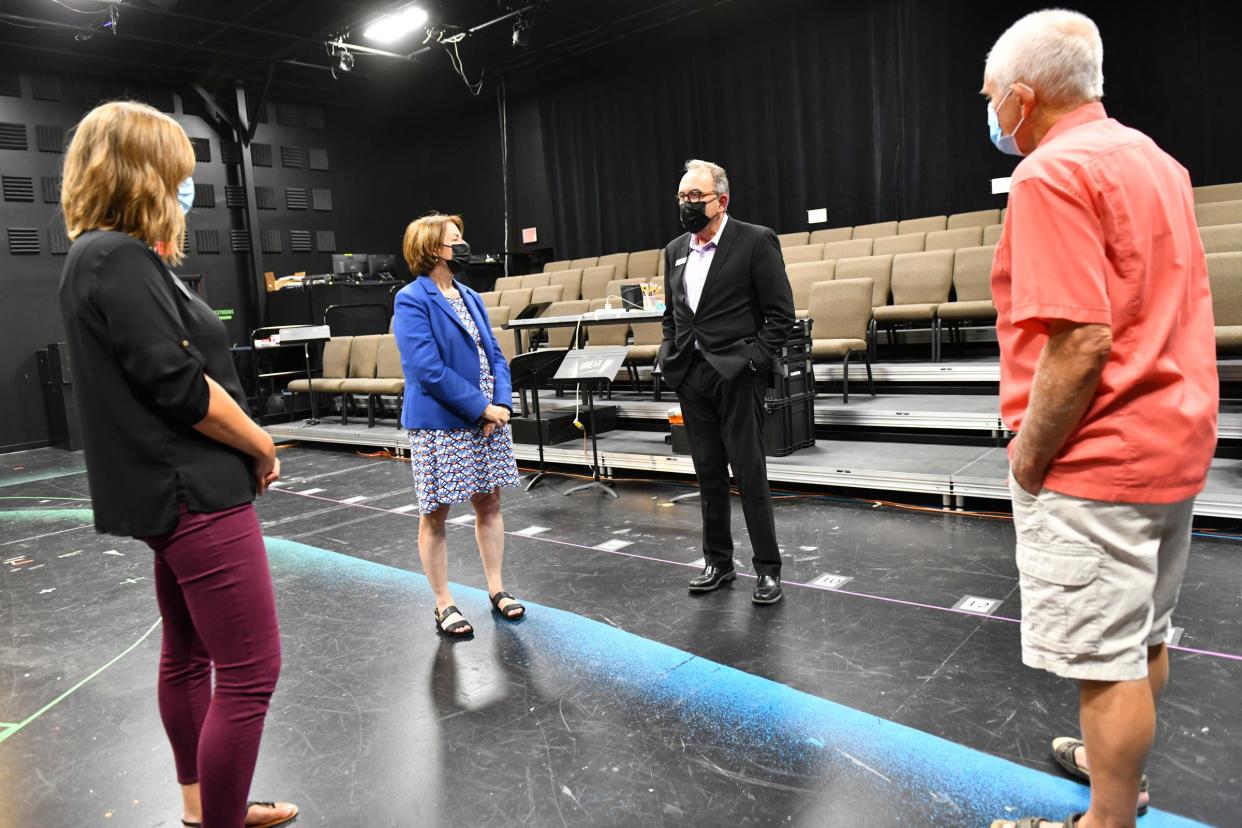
(728, 309)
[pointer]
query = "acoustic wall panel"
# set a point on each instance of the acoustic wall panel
(322, 200)
(207, 241)
(240, 240)
(291, 158)
(295, 198)
(50, 185)
(318, 158)
(24, 241)
(230, 153)
(57, 241)
(205, 196)
(202, 149)
(45, 87)
(300, 241)
(312, 117)
(13, 137)
(234, 195)
(10, 84)
(287, 115)
(265, 198)
(261, 154)
(325, 241)
(269, 241)
(50, 138)
(18, 187)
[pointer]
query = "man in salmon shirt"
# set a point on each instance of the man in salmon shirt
(1108, 377)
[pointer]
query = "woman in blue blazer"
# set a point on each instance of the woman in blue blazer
(457, 404)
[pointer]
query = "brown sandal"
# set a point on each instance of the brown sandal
(1063, 748)
(282, 821)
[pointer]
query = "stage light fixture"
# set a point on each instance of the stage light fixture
(345, 61)
(521, 33)
(392, 27)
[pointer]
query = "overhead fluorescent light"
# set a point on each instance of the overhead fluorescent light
(392, 27)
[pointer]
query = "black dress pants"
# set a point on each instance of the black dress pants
(724, 421)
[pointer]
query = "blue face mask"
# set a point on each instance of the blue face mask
(185, 195)
(1005, 143)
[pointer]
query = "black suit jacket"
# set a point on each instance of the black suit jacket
(746, 309)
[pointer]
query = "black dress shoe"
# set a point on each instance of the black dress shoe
(712, 577)
(768, 590)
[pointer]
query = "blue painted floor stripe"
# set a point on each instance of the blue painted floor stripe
(756, 716)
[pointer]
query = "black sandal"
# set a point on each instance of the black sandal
(508, 612)
(454, 630)
(285, 821)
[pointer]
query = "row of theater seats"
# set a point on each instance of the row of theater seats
(845, 299)
(365, 365)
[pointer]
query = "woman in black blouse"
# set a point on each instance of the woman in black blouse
(171, 456)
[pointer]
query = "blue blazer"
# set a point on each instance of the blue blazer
(440, 361)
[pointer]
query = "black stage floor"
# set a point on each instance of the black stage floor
(621, 700)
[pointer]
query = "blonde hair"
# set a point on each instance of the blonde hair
(122, 170)
(423, 239)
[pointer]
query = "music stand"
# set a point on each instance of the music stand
(592, 364)
(528, 370)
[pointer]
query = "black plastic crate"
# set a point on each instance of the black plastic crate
(790, 377)
(788, 425)
(798, 343)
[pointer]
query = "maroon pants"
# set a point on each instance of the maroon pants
(215, 594)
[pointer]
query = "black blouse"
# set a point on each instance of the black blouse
(141, 342)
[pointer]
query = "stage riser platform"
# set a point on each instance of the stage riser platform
(951, 471)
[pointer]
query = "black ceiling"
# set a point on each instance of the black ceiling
(215, 42)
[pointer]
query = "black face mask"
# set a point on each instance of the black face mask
(461, 258)
(694, 216)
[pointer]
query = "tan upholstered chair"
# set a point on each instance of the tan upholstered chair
(972, 288)
(535, 280)
(921, 284)
(508, 283)
(647, 339)
(1218, 192)
(831, 234)
(794, 239)
(803, 253)
(848, 249)
(563, 337)
(1225, 275)
(515, 300)
(571, 280)
(802, 276)
(977, 218)
(930, 224)
(389, 379)
(644, 264)
(1221, 238)
(1218, 212)
(595, 281)
(953, 239)
(841, 325)
(992, 233)
(583, 263)
(491, 298)
(548, 293)
(335, 370)
(498, 316)
(552, 267)
(621, 261)
(908, 243)
(872, 231)
(363, 359)
(508, 345)
(876, 268)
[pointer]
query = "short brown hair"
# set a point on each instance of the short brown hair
(122, 170)
(423, 239)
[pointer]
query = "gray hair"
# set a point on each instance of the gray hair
(720, 178)
(1056, 52)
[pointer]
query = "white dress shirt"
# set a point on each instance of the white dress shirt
(698, 262)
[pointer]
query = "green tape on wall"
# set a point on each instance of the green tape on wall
(224, 313)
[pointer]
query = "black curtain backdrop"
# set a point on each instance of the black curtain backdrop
(870, 110)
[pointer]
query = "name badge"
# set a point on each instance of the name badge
(680, 261)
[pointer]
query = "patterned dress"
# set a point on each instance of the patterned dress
(453, 465)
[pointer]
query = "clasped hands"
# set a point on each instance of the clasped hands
(494, 417)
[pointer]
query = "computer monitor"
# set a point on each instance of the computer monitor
(345, 264)
(382, 265)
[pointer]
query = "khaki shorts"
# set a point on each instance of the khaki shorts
(1099, 581)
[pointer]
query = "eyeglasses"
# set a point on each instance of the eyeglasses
(693, 197)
